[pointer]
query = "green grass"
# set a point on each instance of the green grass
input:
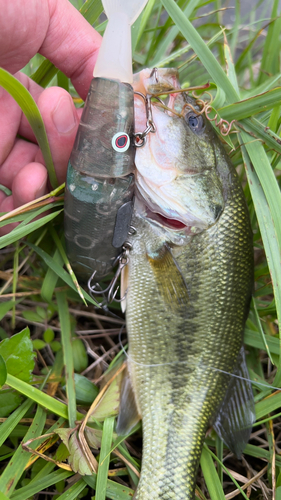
(242, 63)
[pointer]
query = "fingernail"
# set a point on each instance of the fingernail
(63, 116)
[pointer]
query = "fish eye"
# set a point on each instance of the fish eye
(120, 142)
(195, 122)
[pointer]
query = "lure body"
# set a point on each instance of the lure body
(100, 179)
(190, 279)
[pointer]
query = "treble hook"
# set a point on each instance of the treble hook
(123, 260)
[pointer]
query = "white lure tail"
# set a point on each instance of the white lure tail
(115, 56)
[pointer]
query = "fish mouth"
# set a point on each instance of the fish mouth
(159, 219)
(164, 221)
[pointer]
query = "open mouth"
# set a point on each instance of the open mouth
(164, 221)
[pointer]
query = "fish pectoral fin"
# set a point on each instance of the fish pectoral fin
(237, 413)
(169, 278)
(128, 411)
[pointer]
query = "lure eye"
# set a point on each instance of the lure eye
(195, 122)
(120, 142)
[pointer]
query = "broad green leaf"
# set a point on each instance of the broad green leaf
(9, 401)
(17, 351)
(32, 113)
(93, 437)
(5, 307)
(80, 356)
(31, 315)
(3, 375)
(85, 390)
(76, 459)
(109, 404)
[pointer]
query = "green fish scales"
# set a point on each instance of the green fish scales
(187, 304)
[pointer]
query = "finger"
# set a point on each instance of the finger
(55, 29)
(61, 121)
(6, 205)
(22, 153)
(30, 183)
(71, 44)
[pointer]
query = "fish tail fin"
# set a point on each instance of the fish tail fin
(115, 55)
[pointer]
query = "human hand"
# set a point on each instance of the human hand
(55, 29)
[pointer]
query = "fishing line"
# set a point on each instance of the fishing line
(129, 358)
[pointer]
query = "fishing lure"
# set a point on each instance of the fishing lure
(100, 177)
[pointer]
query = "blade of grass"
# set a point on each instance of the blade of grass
(59, 271)
(206, 56)
(13, 472)
(258, 130)
(40, 397)
(267, 209)
(104, 458)
(45, 73)
(21, 231)
(72, 492)
(172, 34)
(211, 454)
(259, 325)
(51, 278)
(67, 263)
(44, 482)
(144, 20)
(210, 475)
(66, 340)
(253, 339)
(270, 56)
(251, 106)
(114, 491)
(12, 421)
(32, 113)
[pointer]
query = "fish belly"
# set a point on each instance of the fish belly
(175, 351)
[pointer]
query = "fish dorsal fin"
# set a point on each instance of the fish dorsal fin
(128, 412)
(237, 413)
(169, 278)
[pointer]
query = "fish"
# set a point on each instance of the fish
(100, 177)
(189, 280)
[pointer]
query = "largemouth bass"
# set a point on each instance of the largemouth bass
(189, 279)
